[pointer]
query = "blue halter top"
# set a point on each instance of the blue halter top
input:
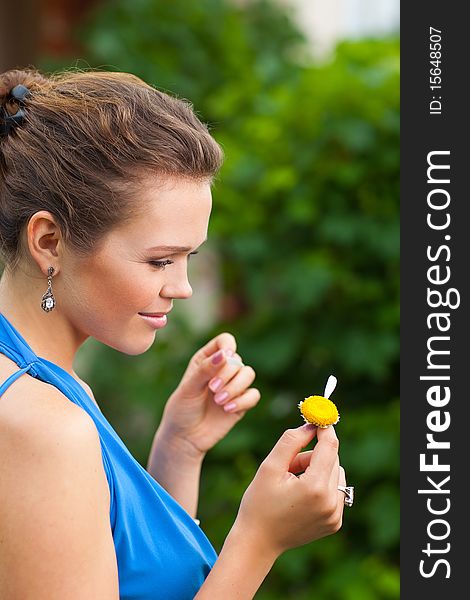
(161, 552)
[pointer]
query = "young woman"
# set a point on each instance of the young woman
(105, 192)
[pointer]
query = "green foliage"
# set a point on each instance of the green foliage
(305, 223)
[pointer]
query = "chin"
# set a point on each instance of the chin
(131, 349)
(135, 350)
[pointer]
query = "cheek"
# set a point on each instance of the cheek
(124, 290)
(105, 285)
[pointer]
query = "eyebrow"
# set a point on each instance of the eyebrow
(172, 248)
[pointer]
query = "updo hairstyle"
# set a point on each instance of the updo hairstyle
(84, 145)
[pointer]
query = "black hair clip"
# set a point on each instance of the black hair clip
(7, 122)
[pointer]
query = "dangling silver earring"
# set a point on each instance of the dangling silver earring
(48, 300)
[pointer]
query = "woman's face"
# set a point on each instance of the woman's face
(140, 268)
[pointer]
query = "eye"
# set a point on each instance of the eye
(160, 264)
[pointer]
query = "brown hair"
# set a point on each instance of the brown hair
(87, 139)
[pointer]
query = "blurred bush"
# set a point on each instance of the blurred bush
(306, 227)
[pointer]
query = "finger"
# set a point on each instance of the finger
(201, 372)
(341, 480)
(342, 476)
(324, 455)
(289, 445)
(234, 384)
(234, 360)
(243, 402)
(215, 363)
(334, 477)
(223, 341)
(219, 371)
(223, 358)
(232, 357)
(300, 462)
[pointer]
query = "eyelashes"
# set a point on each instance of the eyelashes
(161, 264)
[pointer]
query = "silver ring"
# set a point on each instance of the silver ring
(348, 491)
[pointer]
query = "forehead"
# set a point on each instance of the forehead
(175, 212)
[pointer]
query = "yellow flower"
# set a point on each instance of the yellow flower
(319, 410)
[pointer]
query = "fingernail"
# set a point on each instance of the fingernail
(230, 406)
(229, 352)
(217, 358)
(215, 384)
(308, 427)
(220, 397)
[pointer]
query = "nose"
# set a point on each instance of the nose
(177, 285)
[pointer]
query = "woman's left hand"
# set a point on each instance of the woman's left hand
(212, 396)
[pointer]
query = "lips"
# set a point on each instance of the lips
(159, 314)
(155, 320)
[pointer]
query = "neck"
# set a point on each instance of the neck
(50, 335)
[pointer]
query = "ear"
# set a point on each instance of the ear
(44, 239)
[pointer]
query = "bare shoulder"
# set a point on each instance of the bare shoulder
(23, 392)
(34, 414)
(55, 534)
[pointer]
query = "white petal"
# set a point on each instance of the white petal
(330, 386)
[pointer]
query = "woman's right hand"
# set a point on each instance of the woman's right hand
(281, 510)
